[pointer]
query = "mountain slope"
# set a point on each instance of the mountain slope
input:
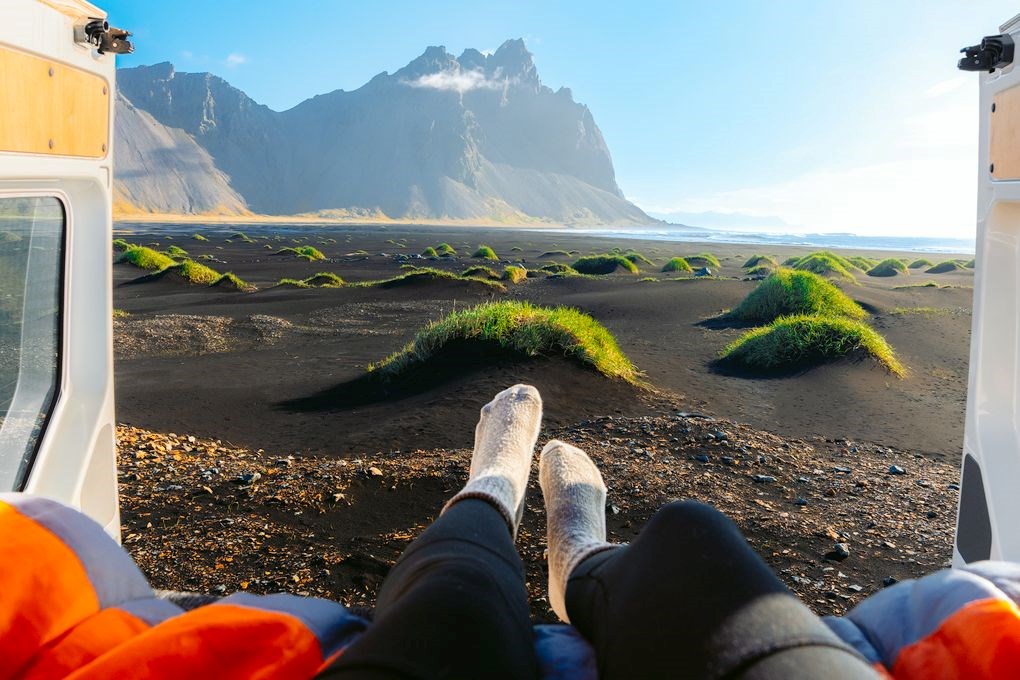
(162, 169)
(474, 137)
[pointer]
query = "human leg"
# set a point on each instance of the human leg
(455, 604)
(687, 597)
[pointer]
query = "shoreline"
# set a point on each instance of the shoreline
(681, 234)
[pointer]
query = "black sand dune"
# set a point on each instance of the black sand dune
(237, 396)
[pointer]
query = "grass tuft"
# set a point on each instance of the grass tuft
(195, 272)
(921, 263)
(826, 264)
(514, 274)
(555, 253)
(308, 253)
(888, 267)
(121, 314)
(324, 280)
(485, 253)
(970, 264)
(758, 260)
(518, 327)
(445, 250)
(603, 264)
(144, 257)
(637, 258)
(119, 244)
(945, 267)
(702, 260)
(176, 251)
(557, 269)
(786, 292)
(291, 283)
(232, 280)
(240, 236)
(481, 272)
(761, 270)
(677, 264)
(430, 252)
(198, 237)
(801, 341)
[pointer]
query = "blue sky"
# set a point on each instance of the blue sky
(796, 115)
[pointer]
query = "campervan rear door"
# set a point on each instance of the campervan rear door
(988, 525)
(56, 364)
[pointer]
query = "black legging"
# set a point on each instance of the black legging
(688, 598)
(454, 606)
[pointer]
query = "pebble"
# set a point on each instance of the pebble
(701, 458)
(841, 469)
(720, 435)
(839, 552)
(954, 486)
(896, 470)
(375, 472)
(728, 460)
(800, 500)
(763, 479)
(889, 580)
(855, 588)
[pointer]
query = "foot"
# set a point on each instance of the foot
(504, 445)
(575, 512)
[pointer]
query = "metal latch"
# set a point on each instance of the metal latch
(995, 51)
(105, 37)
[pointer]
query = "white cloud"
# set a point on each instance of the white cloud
(944, 87)
(456, 81)
(235, 59)
(187, 54)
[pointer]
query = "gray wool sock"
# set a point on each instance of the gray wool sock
(504, 445)
(575, 513)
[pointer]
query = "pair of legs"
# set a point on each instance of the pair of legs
(687, 598)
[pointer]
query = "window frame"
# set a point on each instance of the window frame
(60, 368)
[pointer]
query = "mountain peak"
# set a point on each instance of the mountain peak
(513, 60)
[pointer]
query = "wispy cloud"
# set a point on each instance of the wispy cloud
(457, 81)
(235, 59)
(187, 54)
(944, 87)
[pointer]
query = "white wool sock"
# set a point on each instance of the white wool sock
(575, 514)
(504, 445)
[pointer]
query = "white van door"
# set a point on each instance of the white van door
(990, 482)
(56, 360)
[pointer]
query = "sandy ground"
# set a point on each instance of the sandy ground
(285, 391)
(251, 457)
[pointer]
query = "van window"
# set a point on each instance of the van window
(31, 277)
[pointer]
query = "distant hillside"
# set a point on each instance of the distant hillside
(473, 137)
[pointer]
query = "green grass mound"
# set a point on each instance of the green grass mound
(308, 253)
(555, 253)
(119, 244)
(198, 237)
(517, 249)
(862, 263)
(445, 249)
(291, 283)
(195, 272)
(603, 264)
(121, 313)
(702, 260)
(945, 267)
(430, 252)
(824, 264)
(970, 264)
(792, 261)
(759, 260)
(11, 237)
(919, 264)
(790, 291)
(176, 251)
(557, 269)
(802, 341)
(481, 272)
(240, 236)
(234, 282)
(677, 264)
(637, 258)
(426, 274)
(514, 274)
(144, 257)
(485, 253)
(889, 267)
(761, 270)
(324, 280)
(522, 328)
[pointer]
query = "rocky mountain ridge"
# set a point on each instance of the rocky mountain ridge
(472, 137)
